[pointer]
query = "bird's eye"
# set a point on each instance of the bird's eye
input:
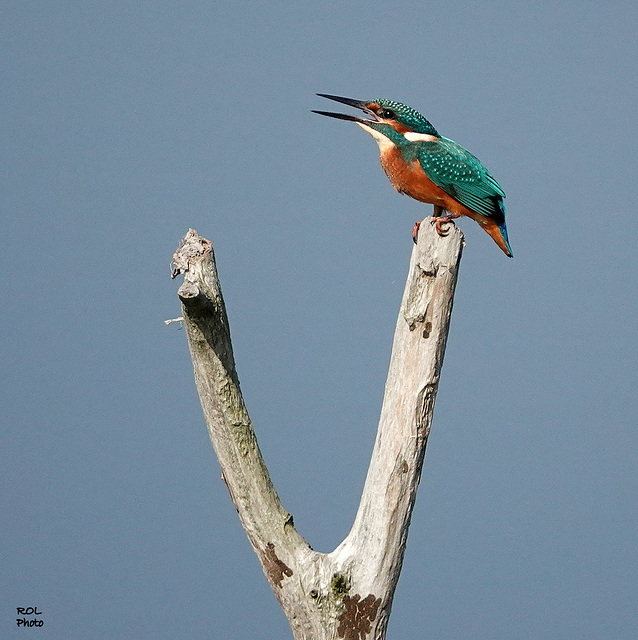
(385, 113)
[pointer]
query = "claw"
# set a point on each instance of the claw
(440, 222)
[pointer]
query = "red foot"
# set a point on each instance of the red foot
(440, 221)
(415, 230)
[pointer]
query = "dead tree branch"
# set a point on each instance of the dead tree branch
(347, 593)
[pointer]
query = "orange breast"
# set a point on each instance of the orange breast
(409, 178)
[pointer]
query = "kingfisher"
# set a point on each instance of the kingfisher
(430, 168)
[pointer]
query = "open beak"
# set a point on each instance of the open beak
(357, 104)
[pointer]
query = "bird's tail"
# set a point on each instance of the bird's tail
(499, 235)
(498, 230)
(505, 245)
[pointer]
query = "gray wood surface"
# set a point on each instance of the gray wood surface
(346, 593)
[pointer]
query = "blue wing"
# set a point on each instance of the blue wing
(462, 176)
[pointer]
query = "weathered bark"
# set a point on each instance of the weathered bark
(347, 593)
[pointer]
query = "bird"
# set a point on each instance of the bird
(428, 167)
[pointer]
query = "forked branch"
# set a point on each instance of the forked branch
(347, 593)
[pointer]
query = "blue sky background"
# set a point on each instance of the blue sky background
(124, 124)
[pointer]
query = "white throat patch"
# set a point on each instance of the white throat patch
(382, 141)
